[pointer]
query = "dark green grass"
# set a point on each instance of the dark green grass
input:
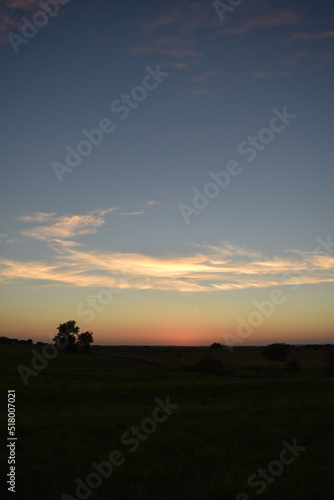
(75, 411)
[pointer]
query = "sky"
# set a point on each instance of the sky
(167, 170)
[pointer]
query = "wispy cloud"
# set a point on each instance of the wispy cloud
(174, 33)
(204, 78)
(131, 213)
(61, 227)
(7, 23)
(201, 91)
(178, 65)
(169, 46)
(150, 203)
(227, 249)
(21, 4)
(181, 33)
(311, 36)
(316, 55)
(255, 19)
(213, 268)
(293, 59)
(11, 12)
(313, 58)
(269, 74)
(186, 18)
(38, 217)
(164, 20)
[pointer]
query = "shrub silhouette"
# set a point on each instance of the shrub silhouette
(276, 352)
(216, 345)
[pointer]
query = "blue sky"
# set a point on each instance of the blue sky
(66, 236)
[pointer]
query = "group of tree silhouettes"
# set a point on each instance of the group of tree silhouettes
(69, 339)
(280, 352)
(273, 352)
(7, 341)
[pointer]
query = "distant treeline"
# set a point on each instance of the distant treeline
(315, 346)
(6, 340)
(215, 345)
(292, 347)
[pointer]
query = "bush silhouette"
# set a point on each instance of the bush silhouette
(276, 352)
(216, 345)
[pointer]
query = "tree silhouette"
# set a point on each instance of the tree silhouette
(67, 335)
(216, 345)
(276, 352)
(84, 341)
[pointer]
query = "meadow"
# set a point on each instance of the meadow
(221, 431)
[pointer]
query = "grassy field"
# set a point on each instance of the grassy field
(225, 428)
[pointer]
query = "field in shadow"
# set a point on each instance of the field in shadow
(226, 427)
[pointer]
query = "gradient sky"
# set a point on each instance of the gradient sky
(106, 242)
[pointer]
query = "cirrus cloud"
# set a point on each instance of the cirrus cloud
(63, 226)
(213, 268)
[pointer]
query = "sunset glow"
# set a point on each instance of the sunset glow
(169, 177)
